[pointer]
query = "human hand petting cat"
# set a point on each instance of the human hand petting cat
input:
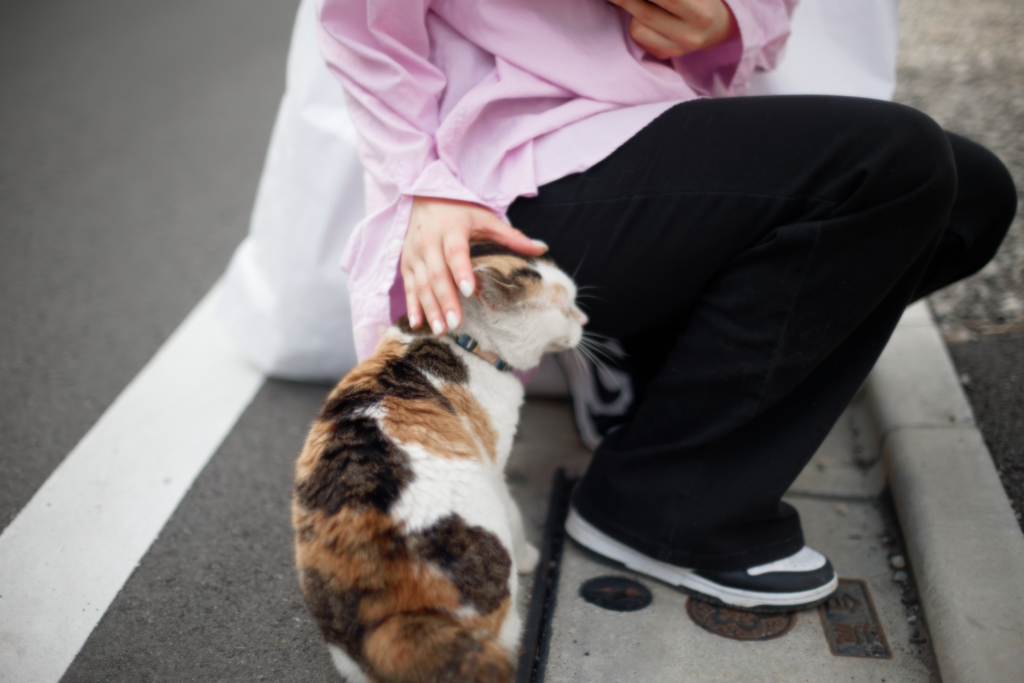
(436, 255)
(672, 28)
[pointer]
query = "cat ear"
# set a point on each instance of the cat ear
(493, 289)
(506, 283)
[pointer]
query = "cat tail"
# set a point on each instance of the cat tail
(435, 647)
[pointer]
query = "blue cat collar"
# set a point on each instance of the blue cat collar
(466, 342)
(471, 345)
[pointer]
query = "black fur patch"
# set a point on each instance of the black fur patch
(403, 325)
(473, 557)
(360, 466)
(401, 378)
(336, 613)
(348, 404)
(438, 359)
(477, 249)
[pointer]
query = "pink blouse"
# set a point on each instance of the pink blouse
(486, 100)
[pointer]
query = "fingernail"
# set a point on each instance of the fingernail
(541, 243)
(414, 321)
(453, 320)
(438, 327)
(466, 287)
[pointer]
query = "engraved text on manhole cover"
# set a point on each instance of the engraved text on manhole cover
(732, 623)
(851, 623)
(616, 593)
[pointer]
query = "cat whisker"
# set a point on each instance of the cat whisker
(597, 348)
(610, 377)
(596, 342)
(579, 361)
(593, 358)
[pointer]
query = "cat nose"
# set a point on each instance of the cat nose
(581, 316)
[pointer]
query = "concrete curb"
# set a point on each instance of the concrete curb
(965, 545)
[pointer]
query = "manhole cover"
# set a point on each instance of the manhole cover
(616, 593)
(851, 624)
(732, 623)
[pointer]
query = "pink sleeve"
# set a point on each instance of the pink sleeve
(726, 69)
(379, 50)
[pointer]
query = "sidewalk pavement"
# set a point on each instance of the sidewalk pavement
(911, 428)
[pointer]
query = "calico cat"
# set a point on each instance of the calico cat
(407, 540)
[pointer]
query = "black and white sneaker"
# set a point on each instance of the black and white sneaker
(602, 395)
(801, 580)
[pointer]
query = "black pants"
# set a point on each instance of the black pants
(754, 256)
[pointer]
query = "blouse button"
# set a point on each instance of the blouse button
(361, 333)
(396, 245)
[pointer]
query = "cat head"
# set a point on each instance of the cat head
(522, 307)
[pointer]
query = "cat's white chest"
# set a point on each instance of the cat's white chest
(500, 394)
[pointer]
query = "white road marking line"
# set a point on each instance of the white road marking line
(71, 549)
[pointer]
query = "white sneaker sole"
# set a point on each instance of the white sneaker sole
(588, 536)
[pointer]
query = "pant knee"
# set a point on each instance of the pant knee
(923, 165)
(901, 167)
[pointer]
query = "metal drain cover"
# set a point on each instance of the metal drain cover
(851, 624)
(732, 623)
(616, 593)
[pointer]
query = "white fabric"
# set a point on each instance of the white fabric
(837, 47)
(284, 299)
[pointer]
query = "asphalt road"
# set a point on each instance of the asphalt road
(132, 136)
(992, 371)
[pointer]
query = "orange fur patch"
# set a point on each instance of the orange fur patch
(421, 646)
(428, 424)
(365, 374)
(480, 422)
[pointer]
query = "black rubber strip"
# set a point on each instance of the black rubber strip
(537, 636)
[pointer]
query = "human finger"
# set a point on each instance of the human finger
(646, 12)
(412, 302)
(432, 313)
(456, 254)
(443, 288)
(504, 234)
(698, 13)
(689, 25)
(705, 23)
(657, 44)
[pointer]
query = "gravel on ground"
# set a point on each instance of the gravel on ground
(963, 64)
